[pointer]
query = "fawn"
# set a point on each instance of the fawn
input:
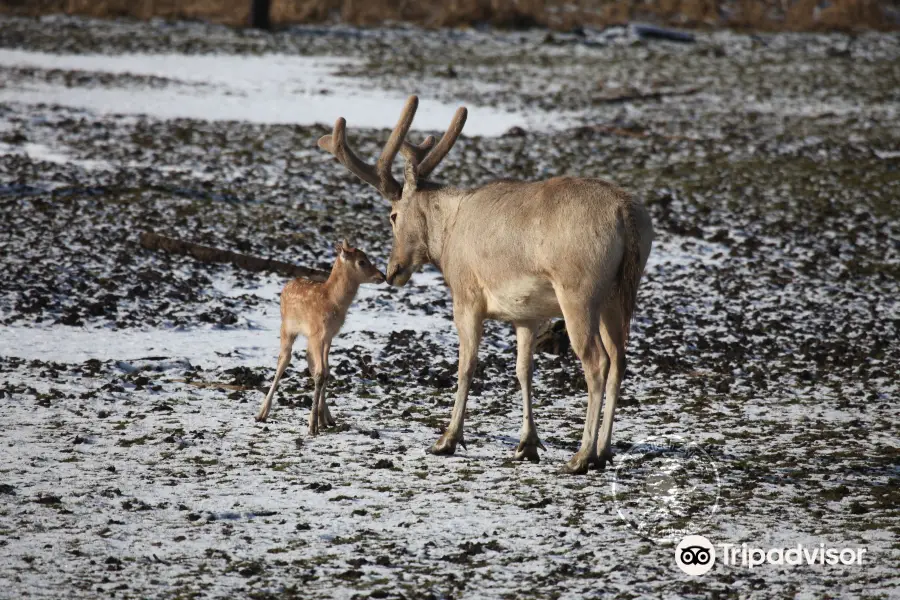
(317, 310)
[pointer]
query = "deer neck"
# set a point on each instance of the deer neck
(441, 208)
(340, 288)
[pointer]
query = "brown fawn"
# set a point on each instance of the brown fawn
(317, 311)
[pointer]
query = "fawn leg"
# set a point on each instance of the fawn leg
(325, 418)
(314, 358)
(284, 359)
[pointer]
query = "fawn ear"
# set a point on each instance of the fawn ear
(346, 245)
(339, 250)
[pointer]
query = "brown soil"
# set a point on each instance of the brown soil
(792, 15)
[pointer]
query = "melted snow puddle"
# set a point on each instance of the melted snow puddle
(268, 89)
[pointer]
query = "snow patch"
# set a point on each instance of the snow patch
(267, 89)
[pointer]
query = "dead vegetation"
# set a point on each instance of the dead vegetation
(790, 15)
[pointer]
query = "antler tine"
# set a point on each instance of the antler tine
(417, 152)
(392, 147)
(437, 154)
(336, 143)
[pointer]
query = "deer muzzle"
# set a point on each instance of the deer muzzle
(398, 275)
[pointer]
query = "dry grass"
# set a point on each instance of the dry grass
(795, 15)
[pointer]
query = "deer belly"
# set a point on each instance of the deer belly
(522, 299)
(296, 327)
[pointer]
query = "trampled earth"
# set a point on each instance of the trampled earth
(766, 332)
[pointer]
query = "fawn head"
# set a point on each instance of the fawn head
(408, 210)
(355, 262)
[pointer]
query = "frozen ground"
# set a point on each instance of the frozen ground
(270, 88)
(767, 329)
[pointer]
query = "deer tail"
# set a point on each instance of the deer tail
(631, 268)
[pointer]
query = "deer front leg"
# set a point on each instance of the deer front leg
(316, 369)
(529, 442)
(325, 418)
(469, 325)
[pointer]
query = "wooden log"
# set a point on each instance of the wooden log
(639, 96)
(154, 241)
(219, 386)
(630, 132)
(652, 32)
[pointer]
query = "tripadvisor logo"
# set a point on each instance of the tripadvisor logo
(696, 555)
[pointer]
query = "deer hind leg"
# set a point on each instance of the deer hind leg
(613, 336)
(469, 325)
(284, 359)
(582, 323)
(529, 442)
(317, 370)
(325, 418)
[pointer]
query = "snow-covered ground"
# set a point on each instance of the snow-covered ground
(130, 463)
(302, 90)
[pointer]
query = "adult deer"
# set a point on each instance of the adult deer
(524, 252)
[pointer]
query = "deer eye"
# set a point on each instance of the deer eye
(394, 219)
(361, 263)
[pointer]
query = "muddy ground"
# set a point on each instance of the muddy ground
(766, 331)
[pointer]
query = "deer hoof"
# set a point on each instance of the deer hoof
(325, 418)
(528, 450)
(445, 446)
(325, 421)
(577, 465)
(605, 457)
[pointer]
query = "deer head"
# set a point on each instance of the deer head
(408, 218)
(356, 264)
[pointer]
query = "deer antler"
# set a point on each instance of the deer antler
(378, 176)
(418, 152)
(437, 154)
(426, 155)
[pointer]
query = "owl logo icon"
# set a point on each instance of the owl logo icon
(695, 555)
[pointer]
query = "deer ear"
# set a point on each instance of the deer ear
(346, 245)
(339, 249)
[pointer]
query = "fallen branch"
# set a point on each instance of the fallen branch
(632, 133)
(218, 386)
(652, 32)
(153, 241)
(637, 96)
